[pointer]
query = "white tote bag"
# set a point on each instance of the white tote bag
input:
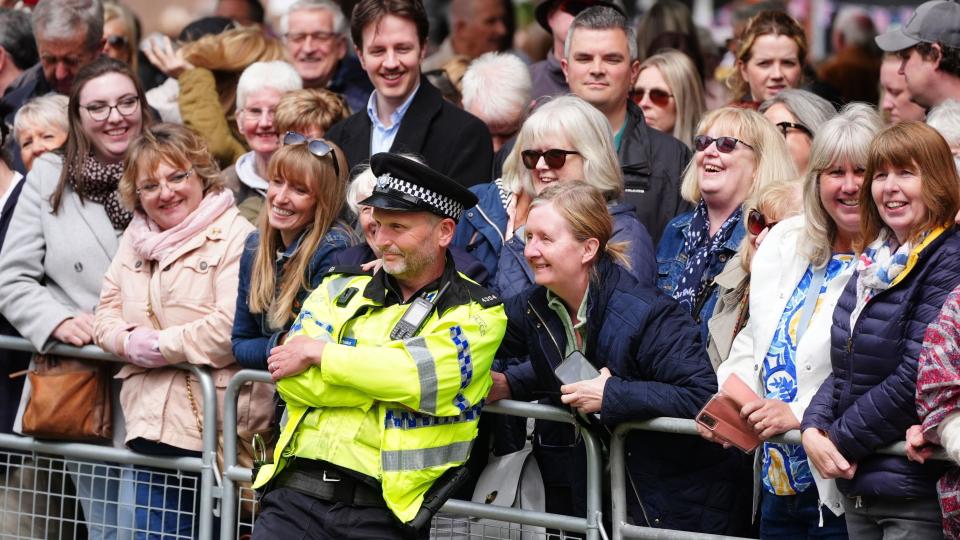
(511, 481)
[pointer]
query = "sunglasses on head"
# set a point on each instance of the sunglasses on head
(784, 127)
(316, 147)
(554, 158)
(659, 97)
(757, 222)
(724, 144)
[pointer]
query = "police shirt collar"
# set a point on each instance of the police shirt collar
(384, 289)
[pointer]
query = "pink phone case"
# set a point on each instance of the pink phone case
(721, 415)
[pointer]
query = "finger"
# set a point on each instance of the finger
(570, 399)
(605, 372)
(568, 388)
(750, 408)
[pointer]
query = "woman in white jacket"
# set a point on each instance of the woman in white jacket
(797, 276)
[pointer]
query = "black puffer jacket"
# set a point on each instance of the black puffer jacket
(869, 400)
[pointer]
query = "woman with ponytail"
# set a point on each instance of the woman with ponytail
(647, 350)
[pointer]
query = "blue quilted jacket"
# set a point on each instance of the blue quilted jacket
(869, 400)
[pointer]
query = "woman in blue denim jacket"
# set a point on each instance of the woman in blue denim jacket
(566, 139)
(299, 232)
(738, 151)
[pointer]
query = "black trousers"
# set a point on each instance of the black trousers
(290, 515)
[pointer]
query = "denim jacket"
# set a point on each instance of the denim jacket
(252, 335)
(671, 260)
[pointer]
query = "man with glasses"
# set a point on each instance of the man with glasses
(315, 34)
(929, 49)
(601, 66)
(69, 35)
(406, 113)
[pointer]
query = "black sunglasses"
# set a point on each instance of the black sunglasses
(724, 144)
(659, 97)
(554, 157)
(757, 222)
(116, 41)
(316, 147)
(785, 126)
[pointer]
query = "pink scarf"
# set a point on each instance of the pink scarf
(152, 244)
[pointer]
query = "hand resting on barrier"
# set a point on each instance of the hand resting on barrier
(500, 389)
(769, 417)
(918, 448)
(76, 331)
(142, 348)
(825, 456)
(586, 396)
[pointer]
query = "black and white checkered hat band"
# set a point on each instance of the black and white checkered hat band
(440, 203)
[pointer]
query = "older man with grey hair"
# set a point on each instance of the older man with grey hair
(18, 49)
(476, 27)
(496, 89)
(854, 68)
(315, 35)
(69, 35)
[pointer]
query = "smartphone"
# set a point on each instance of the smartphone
(575, 368)
(721, 415)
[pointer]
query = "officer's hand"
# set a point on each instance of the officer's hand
(294, 357)
(586, 396)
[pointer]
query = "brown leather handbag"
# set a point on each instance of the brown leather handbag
(69, 400)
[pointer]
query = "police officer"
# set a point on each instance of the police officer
(384, 376)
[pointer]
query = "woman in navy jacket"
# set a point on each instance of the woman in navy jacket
(648, 350)
(909, 264)
(293, 248)
(566, 139)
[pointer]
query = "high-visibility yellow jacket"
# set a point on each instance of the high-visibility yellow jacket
(400, 411)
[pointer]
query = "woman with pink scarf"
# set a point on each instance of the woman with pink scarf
(168, 298)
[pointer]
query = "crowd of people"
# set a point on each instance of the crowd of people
(401, 233)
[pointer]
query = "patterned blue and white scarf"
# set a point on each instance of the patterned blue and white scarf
(880, 263)
(701, 251)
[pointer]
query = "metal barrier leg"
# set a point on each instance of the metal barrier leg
(618, 488)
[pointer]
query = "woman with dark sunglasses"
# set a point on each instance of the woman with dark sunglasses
(565, 140)
(737, 153)
(797, 276)
(798, 114)
(670, 93)
(302, 222)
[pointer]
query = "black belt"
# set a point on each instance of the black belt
(330, 485)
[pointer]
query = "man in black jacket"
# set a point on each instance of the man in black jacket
(406, 113)
(601, 66)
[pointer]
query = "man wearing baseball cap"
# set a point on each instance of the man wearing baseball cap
(384, 375)
(929, 48)
(555, 16)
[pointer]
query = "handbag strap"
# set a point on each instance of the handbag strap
(810, 301)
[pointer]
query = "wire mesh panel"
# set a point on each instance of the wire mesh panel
(50, 497)
(247, 508)
(450, 527)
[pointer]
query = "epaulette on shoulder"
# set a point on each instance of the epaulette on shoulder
(347, 269)
(482, 295)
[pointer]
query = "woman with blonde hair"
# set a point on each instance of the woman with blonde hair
(564, 140)
(302, 222)
(670, 93)
(120, 37)
(738, 152)
(797, 276)
(208, 71)
(909, 263)
(771, 57)
(310, 111)
(645, 348)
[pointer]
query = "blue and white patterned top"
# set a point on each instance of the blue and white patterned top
(785, 467)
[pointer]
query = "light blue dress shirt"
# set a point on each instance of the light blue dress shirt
(381, 136)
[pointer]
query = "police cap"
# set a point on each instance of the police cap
(404, 184)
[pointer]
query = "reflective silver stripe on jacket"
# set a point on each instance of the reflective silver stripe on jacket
(426, 371)
(415, 460)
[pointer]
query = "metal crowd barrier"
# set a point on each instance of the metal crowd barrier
(205, 465)
(590, 526)
(681, 426)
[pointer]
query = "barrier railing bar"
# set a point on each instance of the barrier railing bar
(526, 517)
(208, 472)
(681, 426)
(98, 453)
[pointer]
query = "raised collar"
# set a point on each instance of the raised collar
(384, 289)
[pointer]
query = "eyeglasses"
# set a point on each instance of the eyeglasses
(100, 111)
(300, 38)
(554, 158)
(659, 97)
(117, 42)
(151, 189)
(724, 144)
(256, 114)
(757, 222)
(316, 147)
(786, 126)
